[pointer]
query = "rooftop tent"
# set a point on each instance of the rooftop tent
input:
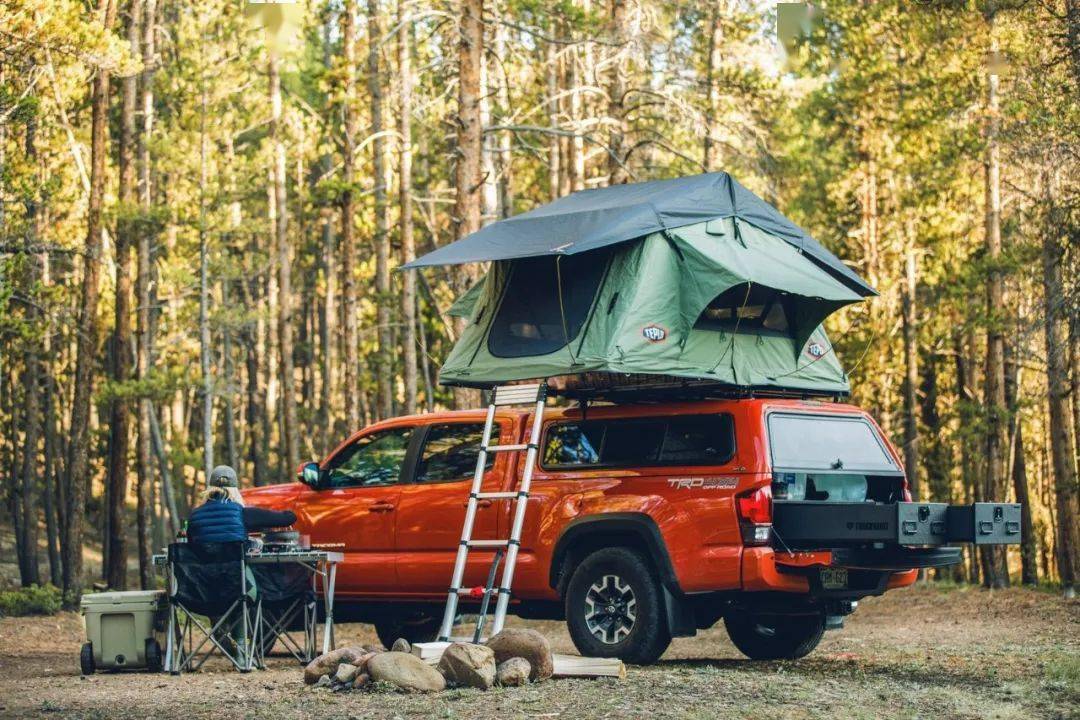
(721, 300)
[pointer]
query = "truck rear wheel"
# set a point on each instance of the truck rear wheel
(614, 607)
(774, 637)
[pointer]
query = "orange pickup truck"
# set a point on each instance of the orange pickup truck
(645, 521)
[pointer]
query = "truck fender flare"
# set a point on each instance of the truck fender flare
(639, 526)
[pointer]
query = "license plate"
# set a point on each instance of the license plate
(834, 578)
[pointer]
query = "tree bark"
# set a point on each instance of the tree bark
(145, 476)
(1062, 447)
(911, 376)
(284, 266)
(995, 571)
(711, 150)
(617, 174)
(384, 381)
(207, 389)
(348, 240)
(408, 243)
(29, 571)
(328, 388)
(1029, 569)
(87, 333)
(467, 179)
(551, 65)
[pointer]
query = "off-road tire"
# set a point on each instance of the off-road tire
(153, 655)
(86, 659)
(415, 626)
(626, 570)
(774, 637)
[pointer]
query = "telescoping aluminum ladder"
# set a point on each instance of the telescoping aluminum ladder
(503, 395)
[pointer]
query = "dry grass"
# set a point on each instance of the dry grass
(924, 652)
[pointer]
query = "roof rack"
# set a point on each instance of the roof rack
(640, 388)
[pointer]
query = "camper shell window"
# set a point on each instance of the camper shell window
(531, 319)
(637, 442)
(751, 309)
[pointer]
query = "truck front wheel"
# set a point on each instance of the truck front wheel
(614, 607)
(412, 625)
(774, 637)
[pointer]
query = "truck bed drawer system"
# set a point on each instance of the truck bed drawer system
(808, 524)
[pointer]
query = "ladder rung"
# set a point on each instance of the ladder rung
(519, 394)
(500, 495)
(487, 543)
(506, 448)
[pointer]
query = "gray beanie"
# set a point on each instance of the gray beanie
(223, 476)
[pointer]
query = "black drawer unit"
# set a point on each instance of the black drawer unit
(807, 524)
(984, 523)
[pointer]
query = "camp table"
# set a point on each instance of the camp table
(320, 563)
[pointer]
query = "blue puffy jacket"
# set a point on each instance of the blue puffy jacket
(217, 520)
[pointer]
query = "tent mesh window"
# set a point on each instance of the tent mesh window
(751, 309)
(531, 320)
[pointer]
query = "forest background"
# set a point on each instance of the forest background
(202, 205)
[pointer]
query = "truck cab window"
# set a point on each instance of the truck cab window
(371, 461)
(630, 442)
(450, 453)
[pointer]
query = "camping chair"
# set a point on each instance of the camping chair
(212, 595)
(287, 600)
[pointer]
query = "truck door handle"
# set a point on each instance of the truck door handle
(381, 507)
(480, 503)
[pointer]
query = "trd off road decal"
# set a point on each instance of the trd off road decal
(815, 349)
(654, 333)
(712, 483)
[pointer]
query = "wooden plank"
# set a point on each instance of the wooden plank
(577, 666)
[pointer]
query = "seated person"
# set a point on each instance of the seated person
(223, 518)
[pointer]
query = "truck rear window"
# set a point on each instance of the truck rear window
(836, 444)
(629, 442)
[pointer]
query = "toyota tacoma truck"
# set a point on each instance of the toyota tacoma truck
(644, 521)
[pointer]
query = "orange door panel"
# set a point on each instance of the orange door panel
(432, 507)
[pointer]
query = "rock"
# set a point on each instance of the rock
(528, 644)
(328, 664)
(401, 645)
(406, 671)
(373, 648)
(323, 681)
(513, 672)
(468, 665)
(361, 680)
(345, 674)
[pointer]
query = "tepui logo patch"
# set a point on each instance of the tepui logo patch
(654, 333)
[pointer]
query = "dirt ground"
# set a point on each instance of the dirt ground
(924, 652)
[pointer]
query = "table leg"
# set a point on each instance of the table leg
(328, 602)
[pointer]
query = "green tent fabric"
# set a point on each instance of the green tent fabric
(720, 301)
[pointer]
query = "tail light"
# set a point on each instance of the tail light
(755, 515)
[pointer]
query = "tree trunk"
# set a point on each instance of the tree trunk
(711, 154)
(119, 412)
(384, 381)
(52, 524)
(467, 179)
(291, 437)
(408, 244)
(87, 331)
(617, 174)
(348, 240)
(1028, 558)
(29, 571)
(145, 476)
(551, 65)
(995, 571)
(328, 388)
(1062, 448)
(207, 389)
(911, 376)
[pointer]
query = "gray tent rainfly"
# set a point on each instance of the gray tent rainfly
(695, 280)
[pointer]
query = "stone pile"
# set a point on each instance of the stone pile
(511, 658)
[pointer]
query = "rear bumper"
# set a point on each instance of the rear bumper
(765, 570)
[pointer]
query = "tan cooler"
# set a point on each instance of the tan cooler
(120, 630)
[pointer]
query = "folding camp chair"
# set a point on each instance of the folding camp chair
(287, 601)
(212, 594)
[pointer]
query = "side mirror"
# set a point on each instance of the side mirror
(308, 473)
